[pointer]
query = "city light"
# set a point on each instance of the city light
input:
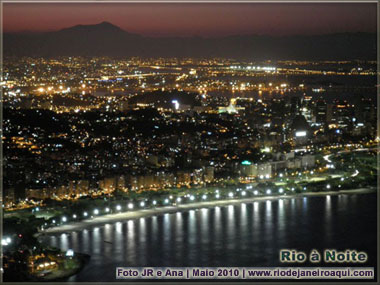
(6, 241)
(181, 144)
(266, 149)
(301, 134)
(327, 158)
(176, 104)
(70, 252)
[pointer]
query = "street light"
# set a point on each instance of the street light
(107, 210)
(85, 214)
(204, 197)
(255, 192)
(118, 207)
(96, 212)
(130, 206)
(142, 204)
(281, 190)
(243, 193)
(230, 194)
(64, 219)
(269, 191)
(192, 198)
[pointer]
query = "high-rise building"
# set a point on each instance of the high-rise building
(321, 112)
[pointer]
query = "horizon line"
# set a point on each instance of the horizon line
(181, 36)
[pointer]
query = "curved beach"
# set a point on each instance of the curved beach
(111, 218)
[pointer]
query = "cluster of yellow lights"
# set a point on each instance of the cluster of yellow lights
(46, 265)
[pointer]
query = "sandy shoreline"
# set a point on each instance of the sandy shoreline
(111, 218)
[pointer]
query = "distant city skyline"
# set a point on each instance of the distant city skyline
(208, 20)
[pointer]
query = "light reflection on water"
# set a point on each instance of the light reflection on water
(247, 234)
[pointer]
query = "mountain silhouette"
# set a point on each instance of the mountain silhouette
(106, 39)
(103, 26)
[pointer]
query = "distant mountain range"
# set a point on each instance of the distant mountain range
(106, 39)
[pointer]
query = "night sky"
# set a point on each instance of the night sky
(196, 19)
